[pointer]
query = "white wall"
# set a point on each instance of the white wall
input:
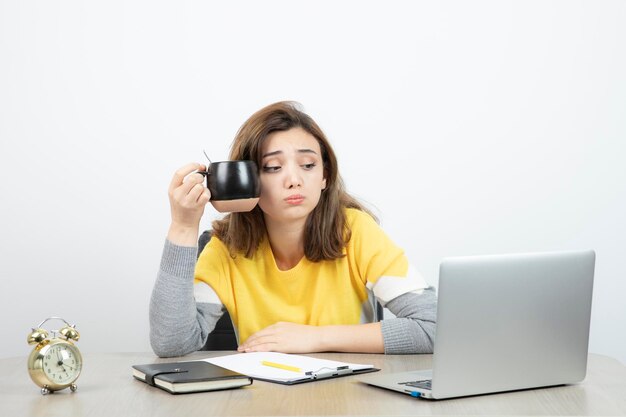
(472, 127)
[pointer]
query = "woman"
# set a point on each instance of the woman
(299, 273)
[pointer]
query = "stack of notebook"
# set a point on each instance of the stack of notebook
(233, 371)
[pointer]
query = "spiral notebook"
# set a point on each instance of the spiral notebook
(286, 368)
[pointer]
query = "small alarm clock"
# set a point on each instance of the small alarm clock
(55, 363)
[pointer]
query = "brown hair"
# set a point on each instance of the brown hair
(326, 232)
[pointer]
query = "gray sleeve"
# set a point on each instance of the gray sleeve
(413, 329)
(179, 325)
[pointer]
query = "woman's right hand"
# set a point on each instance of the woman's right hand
(188, 197)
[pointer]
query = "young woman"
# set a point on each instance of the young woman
(299, 273)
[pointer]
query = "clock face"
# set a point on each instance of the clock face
(62, 363)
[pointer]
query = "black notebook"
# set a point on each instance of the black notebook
(186, 377)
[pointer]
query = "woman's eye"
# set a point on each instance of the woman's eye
(308, 166)
(271, 168)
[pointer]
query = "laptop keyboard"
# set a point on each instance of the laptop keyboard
(425, 384)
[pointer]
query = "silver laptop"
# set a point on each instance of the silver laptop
(505, 322)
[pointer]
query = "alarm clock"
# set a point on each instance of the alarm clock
(55, 362)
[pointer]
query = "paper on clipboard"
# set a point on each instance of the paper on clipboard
(311, 369)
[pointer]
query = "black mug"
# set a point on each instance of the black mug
(234, 185)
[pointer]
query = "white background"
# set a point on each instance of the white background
(470, 127)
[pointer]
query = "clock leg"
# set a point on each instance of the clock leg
(45, 391)
(73, 387)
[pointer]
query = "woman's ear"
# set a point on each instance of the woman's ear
(323, 184)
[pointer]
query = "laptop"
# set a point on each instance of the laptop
(504, 323)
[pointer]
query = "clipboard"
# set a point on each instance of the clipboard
(288, 369)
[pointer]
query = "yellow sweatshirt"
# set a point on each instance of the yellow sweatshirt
(343, 291)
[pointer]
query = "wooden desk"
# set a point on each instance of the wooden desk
(106, 388)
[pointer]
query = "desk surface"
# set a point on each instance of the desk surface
(106, 388)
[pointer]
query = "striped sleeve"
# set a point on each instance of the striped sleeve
(382, 265)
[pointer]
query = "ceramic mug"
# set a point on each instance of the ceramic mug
(234, 185)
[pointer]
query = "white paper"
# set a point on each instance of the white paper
(251, 364)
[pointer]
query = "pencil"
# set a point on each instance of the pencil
(281, 366)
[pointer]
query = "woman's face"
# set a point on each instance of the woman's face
(292, 175)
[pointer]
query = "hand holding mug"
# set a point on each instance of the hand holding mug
(188, 196)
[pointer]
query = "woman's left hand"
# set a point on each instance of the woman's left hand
(284, 337)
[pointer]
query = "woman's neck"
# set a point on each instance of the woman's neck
(287, 243)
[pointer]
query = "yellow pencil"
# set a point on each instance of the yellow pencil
(281, 366)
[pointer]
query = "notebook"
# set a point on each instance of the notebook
(187, 377)
(506, 322)
(286, 368)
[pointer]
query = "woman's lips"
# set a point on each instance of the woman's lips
(294, 199)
